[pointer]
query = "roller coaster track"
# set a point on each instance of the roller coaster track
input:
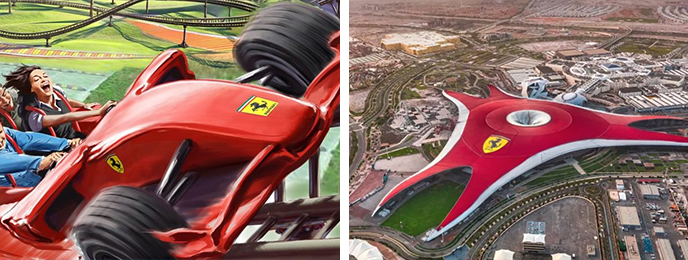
(236, 21)
(103, 13)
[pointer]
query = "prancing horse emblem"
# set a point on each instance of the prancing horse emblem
(494, 143)
(115, 163)
(256, 106)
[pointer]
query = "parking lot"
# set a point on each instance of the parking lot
(646, 208)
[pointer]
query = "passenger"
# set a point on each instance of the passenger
(8, 102)
(27, 169)
(37, 90)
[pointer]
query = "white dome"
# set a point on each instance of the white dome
(504, 254)
(528, 118)
(362, 250)
(561, 257)
(571, 98)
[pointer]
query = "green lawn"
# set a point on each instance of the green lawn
(409, 94)
(401, 152)
(425, 209)
(113, 88)
(563, 173)
(644, 48)
(433, 149)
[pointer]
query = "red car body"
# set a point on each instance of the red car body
(241, 158)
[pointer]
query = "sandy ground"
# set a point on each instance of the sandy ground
(570, 226)
(409, 163)
(360, 213)
(371, 182)
(357, 100)
(387, 253)
(551, 46)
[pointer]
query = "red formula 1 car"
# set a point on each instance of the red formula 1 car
(181, 166)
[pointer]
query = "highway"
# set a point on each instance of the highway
(394, 82)
(375, 108)
(360, 137)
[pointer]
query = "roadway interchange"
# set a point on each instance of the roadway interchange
(498, 218)
(378, 102)
(105, 13)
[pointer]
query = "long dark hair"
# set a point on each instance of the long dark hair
(20, 79)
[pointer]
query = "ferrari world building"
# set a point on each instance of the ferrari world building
(501, 137)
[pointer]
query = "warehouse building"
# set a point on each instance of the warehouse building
(534, 243)
(569, 54)
(420, 43)
(630, 92)
(632, 251)
(659, 231)
(628, 216)
(664, 249)
(597, 52)
(504, 254)
(620, 185)
(683, 244)
(650, 192)
(664, 101)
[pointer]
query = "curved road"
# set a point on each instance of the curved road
(375, 108)
(477, 222)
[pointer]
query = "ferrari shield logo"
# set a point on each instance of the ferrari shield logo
(494, 143)
(115, 163)
(257, 106)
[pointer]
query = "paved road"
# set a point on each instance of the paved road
(480, 220)
(375, 108)
(360, 137)
(384, 90)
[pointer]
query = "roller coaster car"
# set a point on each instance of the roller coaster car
(181, 166)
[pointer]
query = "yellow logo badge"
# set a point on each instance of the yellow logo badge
(494, 143)
(257, 106)
(115, 163)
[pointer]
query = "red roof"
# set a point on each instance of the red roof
(487, 118)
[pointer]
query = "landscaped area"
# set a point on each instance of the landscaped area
(409, 94)
(433, 149)
(400, 152)
(655, 49)
(425, 209)
(99, 38)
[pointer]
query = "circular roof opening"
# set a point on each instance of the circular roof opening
(528, 118)
(569, 96)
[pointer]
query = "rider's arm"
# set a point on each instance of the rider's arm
(17, 163)
(38, 121)
(37, 142)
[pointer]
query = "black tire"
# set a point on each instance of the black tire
(293, 39)
(116, 223)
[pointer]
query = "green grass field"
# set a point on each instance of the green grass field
(433, 149)
(409, 94)
(400, 152)
(425, 209)
(657, 50)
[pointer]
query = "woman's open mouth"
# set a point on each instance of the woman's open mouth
(46, 86)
